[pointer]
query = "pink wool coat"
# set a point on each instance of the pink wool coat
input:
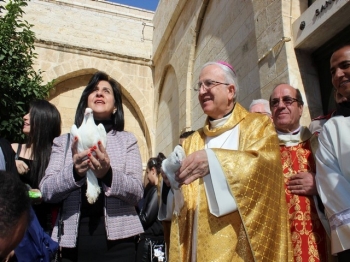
(126, 190)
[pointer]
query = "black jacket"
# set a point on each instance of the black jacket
(149, 212)
(9, 156)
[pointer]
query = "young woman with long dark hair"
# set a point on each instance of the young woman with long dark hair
(41, 125)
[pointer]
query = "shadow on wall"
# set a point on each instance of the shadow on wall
(167, 134)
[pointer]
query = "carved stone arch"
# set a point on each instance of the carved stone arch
(167, 111)
(142, 121)
(160, 90)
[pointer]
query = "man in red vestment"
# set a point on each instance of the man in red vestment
(297, 146)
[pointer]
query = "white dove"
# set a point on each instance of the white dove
(170, 166)
(88, 135)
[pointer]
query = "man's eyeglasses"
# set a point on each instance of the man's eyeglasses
(287, 101)
(208, 84)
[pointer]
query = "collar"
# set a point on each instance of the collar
(289, 139)
(219, 122)
(294, 132)
(233, 119)
(229, 113)
(108, 124)
(295, 137)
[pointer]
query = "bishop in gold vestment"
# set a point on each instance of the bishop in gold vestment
(235, 207)
(258, 230)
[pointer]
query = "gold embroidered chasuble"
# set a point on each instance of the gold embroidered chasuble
(259, 230)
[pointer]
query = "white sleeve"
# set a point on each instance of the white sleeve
(220, 199)
(332, 185)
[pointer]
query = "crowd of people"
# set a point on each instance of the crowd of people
(257, 185)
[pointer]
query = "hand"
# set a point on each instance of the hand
(99, 160)
(193, 167)
(22, 167)
(80, 160)
(302, 183)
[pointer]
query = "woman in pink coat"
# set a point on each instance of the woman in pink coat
(105, 230)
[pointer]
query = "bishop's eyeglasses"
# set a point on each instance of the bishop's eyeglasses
(208, 84)
(287, 101)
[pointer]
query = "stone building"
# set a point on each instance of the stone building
(76, 38)
(156, 57)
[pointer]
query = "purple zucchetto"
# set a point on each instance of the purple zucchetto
(227, 64)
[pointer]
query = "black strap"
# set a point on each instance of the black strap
(60, 217)
(19, 149)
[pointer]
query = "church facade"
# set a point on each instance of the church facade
(156, 56)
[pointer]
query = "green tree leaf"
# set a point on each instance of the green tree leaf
(19, 82)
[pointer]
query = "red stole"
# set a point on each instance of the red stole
(309, 238)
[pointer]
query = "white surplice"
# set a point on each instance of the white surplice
(333, 179)
(220, 199)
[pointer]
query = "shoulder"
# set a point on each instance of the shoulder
(316, 125)
(256, 122)
(335, 131)
(339, 123)
(15, 146)
(7, 146)
(324, 117)
(256, 117)
(63, 137)
(118, 138)
(62, 140)
(151, 189)
(121, 135)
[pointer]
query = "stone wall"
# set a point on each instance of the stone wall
(156, 58)
(76, 38)
(254, 36)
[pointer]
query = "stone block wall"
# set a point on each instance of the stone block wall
(91, 24)
(76, 38)
(157, 57)
(248, 34)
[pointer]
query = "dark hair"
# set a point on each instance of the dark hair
(156, 162)
(14, 201)
(299, 97)
(45, 125)
(340, 46)
(118, 116)
(298, 94)
(187, 134)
